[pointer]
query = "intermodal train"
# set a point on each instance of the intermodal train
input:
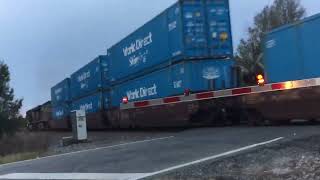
(178, 70)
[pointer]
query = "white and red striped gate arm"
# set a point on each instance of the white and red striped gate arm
(223, 93)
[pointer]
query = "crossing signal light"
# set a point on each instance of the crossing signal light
(260, 80)
(125, 100)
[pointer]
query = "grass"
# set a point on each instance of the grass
(18, 157)
(22, 146)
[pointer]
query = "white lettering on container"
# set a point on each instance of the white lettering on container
(59, 113)
(83, 85)
(86, 107)
(177, 53)
(138, 44)
(84, 76)
(58, 91)
(271, 43)
(142, 92)
(137, 59)
(177, 84)
(172, 26)
(210, 73)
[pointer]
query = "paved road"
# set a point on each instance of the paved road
(158, 154)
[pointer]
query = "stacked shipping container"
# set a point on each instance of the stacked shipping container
(89, 88)
(188, 46)
(60, 99)
(90, 78)
(295, 46)
(185, 47)
(187, 30)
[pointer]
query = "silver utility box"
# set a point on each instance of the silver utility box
(79, 125)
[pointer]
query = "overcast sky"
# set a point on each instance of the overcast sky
(44, 41)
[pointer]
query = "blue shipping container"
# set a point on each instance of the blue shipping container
(196, 76)
(60, 93)
(90, 78)
(93, 103)
(291, 51)
(60, 112)
(187, 30)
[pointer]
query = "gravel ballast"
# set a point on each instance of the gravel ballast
(101, 139)
(291, 160)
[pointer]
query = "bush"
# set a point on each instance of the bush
(24, 142)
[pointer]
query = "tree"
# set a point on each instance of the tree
(9, 106)
(250, 50)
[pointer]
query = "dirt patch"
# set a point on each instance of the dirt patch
(298, 159)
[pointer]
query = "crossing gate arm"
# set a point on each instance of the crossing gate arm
(223, 93)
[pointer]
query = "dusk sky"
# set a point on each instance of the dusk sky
(44, 41)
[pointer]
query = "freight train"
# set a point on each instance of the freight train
(39, 117)
(178, 70)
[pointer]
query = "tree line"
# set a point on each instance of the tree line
(249, 53)
(10, 118)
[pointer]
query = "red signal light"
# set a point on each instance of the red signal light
(187, 92)
(125, 100)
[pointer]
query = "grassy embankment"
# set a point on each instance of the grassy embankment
(22, 146)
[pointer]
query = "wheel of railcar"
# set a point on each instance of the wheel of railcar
(227, 121)
(48, 126)
(285, 122)
(313, 121)
(69, 124)
(30, 127)
(268, 122)
(219, 117)
(255, 119)
(132, 125)
(40, 126)
(233, 117)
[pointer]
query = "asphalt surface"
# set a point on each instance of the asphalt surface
(158, 154)
(291, 160)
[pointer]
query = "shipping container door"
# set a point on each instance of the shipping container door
(227, 68)
(283, 60)
(106, 100)
(219, 28)
(211, 75)
(310, 44)
(105, 72)
(174, 30)
(194, 28)
(179, 78)
(207, 76)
